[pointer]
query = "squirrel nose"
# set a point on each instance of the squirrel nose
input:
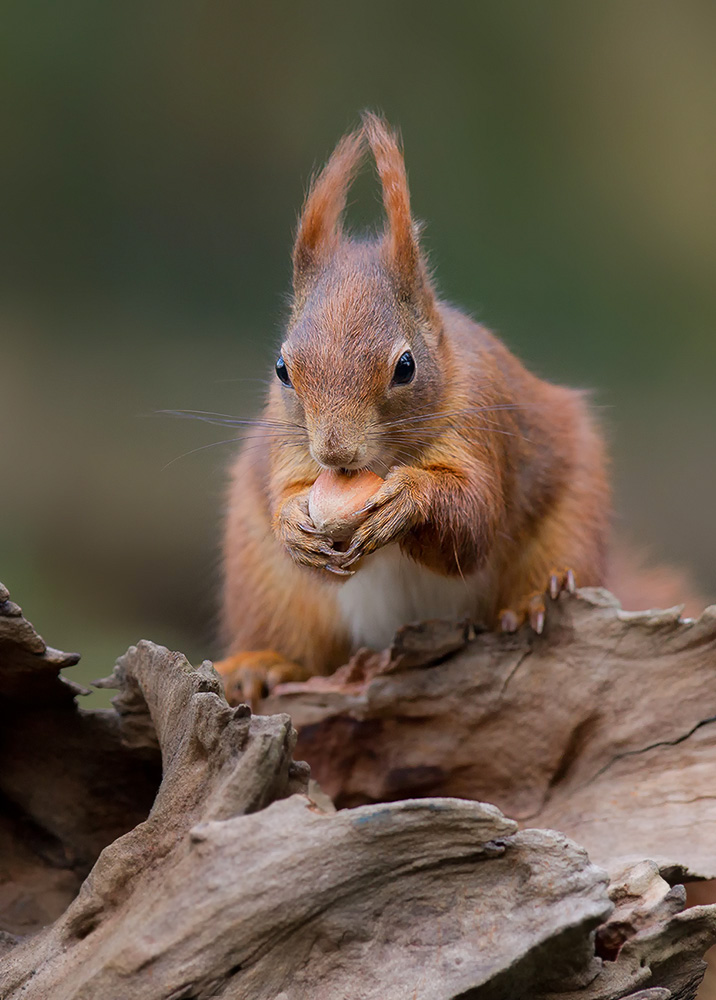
(335, 458)
(336, 453)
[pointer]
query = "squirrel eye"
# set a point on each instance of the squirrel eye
(404, 370)
(282, 371)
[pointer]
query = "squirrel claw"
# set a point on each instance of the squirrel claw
(349, 557)
(536, 615)
(509, 621)
(532, 608)
(249, 676)
(531, 611)
(339, 571)
(309, 529)
(561, 581)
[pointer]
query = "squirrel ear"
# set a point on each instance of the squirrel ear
(319, 228)
(400, 243)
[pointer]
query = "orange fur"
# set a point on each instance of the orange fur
(491, 474)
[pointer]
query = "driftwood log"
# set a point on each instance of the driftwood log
(170, 849)
(603, 727)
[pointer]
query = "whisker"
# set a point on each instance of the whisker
(273, 437)
(277, 444)
(268, 429)
(227, 420)
(480, 427)
(440, 414)
(254, 447)
(250, 447)
(265, 381)
(459, 567)
(384, 465)
(488, 430)
(202, 447)
(405, 456)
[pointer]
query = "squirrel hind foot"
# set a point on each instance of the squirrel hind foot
(531, 609)
(249, 676)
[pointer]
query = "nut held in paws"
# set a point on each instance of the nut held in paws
(337, 497)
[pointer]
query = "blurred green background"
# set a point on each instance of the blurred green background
(154, 157)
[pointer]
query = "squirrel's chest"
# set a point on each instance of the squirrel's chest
(390, 590)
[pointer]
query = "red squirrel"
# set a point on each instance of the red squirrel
(494, 486)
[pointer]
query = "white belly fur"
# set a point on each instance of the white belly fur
(390, 590)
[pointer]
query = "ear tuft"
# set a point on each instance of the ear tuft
(401, 243)
(319, 228)
(401, 232)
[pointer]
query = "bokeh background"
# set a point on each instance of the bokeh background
(154, 157)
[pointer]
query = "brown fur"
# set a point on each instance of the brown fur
(487, 468)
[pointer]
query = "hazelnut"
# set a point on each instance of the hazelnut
(336, 498)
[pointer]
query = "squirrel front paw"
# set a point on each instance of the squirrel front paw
(389, 515)
(305, 544)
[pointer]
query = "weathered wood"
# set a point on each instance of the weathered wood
(68, 787)
(603, 727)
(237, 884)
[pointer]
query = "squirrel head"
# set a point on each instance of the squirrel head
(361, 360)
